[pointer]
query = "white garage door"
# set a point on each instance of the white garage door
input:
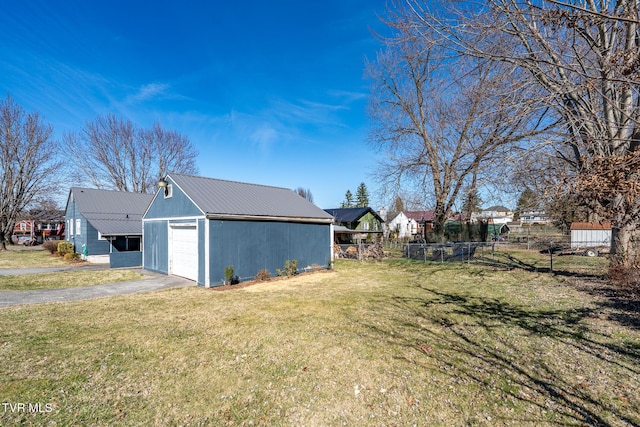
(183, 252)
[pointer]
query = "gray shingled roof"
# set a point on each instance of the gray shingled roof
(112, 213)
(216, 197)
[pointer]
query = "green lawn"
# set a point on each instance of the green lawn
(66, 279)
(374, 343)
(19, 257)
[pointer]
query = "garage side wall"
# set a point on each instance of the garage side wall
(155, 255)
(251, 246)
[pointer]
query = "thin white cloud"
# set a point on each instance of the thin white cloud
(305, 112)
(348, 96)
(147, 92)
(264, 136)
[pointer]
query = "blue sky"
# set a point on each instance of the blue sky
(270, 92)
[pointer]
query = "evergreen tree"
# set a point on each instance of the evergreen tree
(362, 196)
(471, 203)
(348, 200)
(528, 201)
(398, 205)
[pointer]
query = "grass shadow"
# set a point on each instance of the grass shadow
(465, 336)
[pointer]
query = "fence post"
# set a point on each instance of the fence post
(468, 254)
(551, 257)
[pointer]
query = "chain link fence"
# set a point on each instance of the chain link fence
(552, 256)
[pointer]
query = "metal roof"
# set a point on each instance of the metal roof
(590, 226)
(342, 215)
(112, 213)
(228, 199)
(420, 215)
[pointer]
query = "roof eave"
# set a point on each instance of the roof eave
(245, 217)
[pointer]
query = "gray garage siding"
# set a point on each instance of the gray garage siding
(251, 246)
(156, 246)
(178, 205)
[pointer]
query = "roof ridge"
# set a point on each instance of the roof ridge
(111, 191)
(227, 180)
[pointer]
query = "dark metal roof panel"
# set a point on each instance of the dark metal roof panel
(351, 214)
(112, 212)
(221, 197)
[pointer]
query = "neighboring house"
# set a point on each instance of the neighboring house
(366, 221)
(421, 222)
(51, 228)
(494, 215)
(106, 224)
(534, 217)
(195, 227)
(399, 226)
(590, 234)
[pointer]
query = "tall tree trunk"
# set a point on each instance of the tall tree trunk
(624, 247)
(3, 241)
(439, 218)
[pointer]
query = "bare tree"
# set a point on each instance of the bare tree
(305, 193)
(111, 152)
(27, 163)
(173, 152)
(443, 121)
(584, 59)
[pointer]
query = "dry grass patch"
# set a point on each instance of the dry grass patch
(388, 343)
(66, 279)
(17, 257)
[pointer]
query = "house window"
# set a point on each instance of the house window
(70, 227)
(78, 227)
(168, 192)
(365, 226)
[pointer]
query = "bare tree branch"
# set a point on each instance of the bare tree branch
(27, 163)
(113, 153)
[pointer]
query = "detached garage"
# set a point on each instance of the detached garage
(195, 227)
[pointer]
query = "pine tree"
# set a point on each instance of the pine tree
(471, 203)
(398, 205)
(362, 196)
(528, 201)
(348, 200)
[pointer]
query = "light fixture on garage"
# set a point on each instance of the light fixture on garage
(163, 184)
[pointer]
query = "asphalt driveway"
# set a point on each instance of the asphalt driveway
(151, 282)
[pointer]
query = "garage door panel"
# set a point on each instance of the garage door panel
(184, 252)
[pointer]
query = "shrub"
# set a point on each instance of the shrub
(228, 272)
(290, 268)
(262, 275)
(65, 248)
(71, 256)
(626, 279)
(51, 246)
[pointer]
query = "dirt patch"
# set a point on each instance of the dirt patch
(278, 282)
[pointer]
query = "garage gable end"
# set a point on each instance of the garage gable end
(175, 204)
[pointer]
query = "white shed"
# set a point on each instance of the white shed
(590, 234)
